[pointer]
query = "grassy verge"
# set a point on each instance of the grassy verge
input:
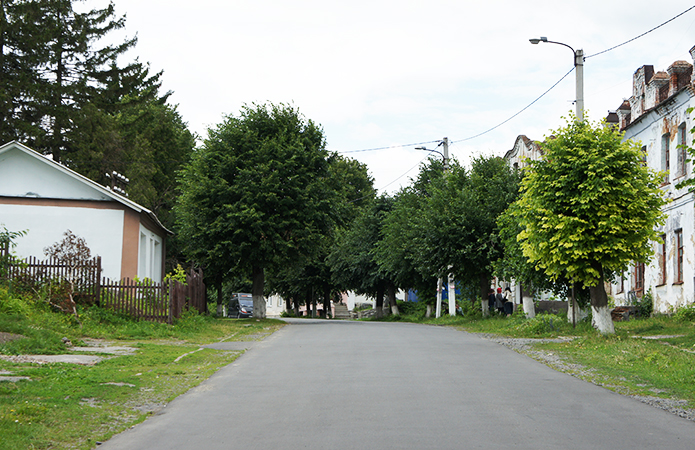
(74, 406)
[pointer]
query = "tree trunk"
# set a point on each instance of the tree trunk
(601, 313)
(257, 292)
(484, 284)
(392, 299)
(296, 306)
(288, 304)
(527, 300)
(484, 305)
(220, 299)
(327, 302)
(428, 312)
(380, 301)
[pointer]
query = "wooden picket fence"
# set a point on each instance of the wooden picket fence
(157, 302)
(145, 300)
(32, 272)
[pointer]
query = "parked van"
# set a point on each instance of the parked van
(240, 306)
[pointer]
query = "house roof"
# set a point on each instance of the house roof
(104, 193)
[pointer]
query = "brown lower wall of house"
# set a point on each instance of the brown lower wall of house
(94, 204)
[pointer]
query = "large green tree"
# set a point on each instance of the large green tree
(461, 235)
(354, 261)
(310, 277)
(588, 209)
(21, 50)
(73, 64)
(404, 225)
(255, 196)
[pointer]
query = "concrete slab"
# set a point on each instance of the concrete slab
(86, 360)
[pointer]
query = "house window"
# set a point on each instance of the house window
(644, 155)
(639, 278)
(150, 257)
(679, 256)
(661, 258)
(665, 155)
(621, 283)
(682, 152)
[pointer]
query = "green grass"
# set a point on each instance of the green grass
(73, 406)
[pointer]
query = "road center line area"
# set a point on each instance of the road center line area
(319, 384)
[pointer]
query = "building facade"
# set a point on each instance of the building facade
(656, 115)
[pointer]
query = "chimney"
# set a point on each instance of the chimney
(641, 77)
(679, 76)
(657, 90)
(624, 114)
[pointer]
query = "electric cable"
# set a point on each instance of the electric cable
(643, 34)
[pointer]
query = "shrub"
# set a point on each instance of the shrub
(685, 313)
(11, 305)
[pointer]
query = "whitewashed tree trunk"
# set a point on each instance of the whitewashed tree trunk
(529, 307)
(485, 307)
(428, 313)
(581, 314)
(601, 319)
(257, 292)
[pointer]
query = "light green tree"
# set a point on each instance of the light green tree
(588, 209)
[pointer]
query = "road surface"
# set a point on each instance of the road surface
(318, 384)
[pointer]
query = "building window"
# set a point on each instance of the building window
(621, 283)
(639, 278)
(682, 152)
(679, 256)
(665, 155)
(661, 259)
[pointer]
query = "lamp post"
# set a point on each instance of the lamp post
(579, 67)
(450, 285)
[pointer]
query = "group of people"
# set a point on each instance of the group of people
(504, 303)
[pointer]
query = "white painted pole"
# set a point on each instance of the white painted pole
(579, 67)
(438, 312)
(452, 295)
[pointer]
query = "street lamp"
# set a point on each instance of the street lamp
(579, 67)
(445, 155)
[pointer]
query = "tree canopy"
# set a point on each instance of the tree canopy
(589, 208)
(255, 195)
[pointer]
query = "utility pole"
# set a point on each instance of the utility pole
(450, 285)
(579, 70)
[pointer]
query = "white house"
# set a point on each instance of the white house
(656, 115)
(44, 198)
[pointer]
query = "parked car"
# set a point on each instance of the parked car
(240, 306)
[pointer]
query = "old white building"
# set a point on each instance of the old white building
(656, 115)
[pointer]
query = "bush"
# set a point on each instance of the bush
(13, 306)
(645, 306)
(417, 309)
(685, 314)
(474, 309)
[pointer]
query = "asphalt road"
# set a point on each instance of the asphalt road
(320, 384)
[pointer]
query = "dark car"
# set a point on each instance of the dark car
(240, 306)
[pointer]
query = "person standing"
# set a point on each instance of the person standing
(508, 302)
(499, 301)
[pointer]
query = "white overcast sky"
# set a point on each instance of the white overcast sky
(386, 73)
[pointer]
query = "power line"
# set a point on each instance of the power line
(643, 34)
(384, 148)
(522, 110)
